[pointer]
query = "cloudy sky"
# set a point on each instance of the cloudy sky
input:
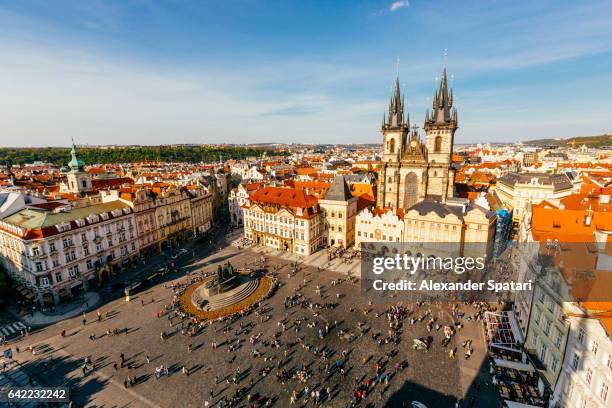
(155, 72)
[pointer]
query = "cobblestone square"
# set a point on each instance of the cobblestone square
(429, 376)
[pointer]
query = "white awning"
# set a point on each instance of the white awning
(514, 364)
(516, 329)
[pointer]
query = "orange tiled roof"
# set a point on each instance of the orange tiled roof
(99, 184)
(365, 190)
(566, 225)
(378, 211)
(285, 197)
(306, 171)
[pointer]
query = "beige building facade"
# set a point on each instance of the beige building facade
(340, 210)
(286, 219)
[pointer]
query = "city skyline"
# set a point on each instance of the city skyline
(147, 73)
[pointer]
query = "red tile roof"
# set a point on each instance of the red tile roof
(285, 197)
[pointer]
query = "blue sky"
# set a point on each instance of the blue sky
(155, 72)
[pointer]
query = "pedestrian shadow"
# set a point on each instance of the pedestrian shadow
(156, 358)
(133, 356)
(174, 368)
(286, 362)
(143, 378)
(195, 368)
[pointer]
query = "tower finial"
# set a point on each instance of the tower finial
(397, 66)
(445, 57)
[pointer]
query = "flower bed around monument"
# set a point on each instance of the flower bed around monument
(262, 291)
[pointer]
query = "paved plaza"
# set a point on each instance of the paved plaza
(257, 355)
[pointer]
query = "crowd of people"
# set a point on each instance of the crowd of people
(305, 345)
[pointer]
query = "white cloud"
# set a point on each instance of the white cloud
(396, 5)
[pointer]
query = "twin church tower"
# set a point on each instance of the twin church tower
(413, 171)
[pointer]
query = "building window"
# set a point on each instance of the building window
(58, 277)
(594, 348)
(392, 146)
(589, 376)
(553, 364)
(39, 267)
(543, 350)
(438, 144)
(89, 264)
(70, 256)
(86, 250)
(541, 296)
(52, 246)
(575, 361)
(44, 281)
(558, 339)
(547, 327)
(581, 335)
(603, 393)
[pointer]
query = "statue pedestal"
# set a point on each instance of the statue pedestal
(221, 287)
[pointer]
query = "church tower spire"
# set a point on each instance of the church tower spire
(77, 179)
(396, 117)
(440, 126)
(75, 164)
(443, 111)
(394, 129)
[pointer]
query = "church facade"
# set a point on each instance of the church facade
(412, 170)
(415, 200)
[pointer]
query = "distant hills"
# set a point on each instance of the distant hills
(589, 141)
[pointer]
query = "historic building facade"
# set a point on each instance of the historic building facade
(201, 204)
(411, 170)
(57, 254)
(415, 198)
(340, 210)
(286, 219)
(172, 215)
(237, 197)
